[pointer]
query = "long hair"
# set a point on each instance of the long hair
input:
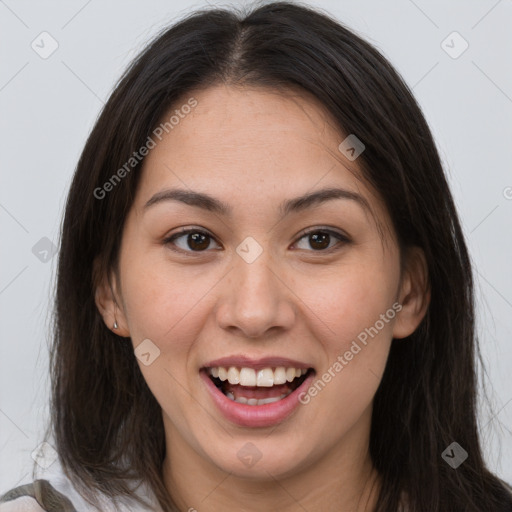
(107, 425)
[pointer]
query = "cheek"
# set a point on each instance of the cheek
(356, 305)
(167, 307)
(351, 300)
(161, 302)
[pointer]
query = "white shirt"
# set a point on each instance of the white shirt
(61, 484)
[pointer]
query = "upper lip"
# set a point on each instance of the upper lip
(257, 364)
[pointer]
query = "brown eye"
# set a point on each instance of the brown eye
(195, 240)
(198, 241)
(320, 239)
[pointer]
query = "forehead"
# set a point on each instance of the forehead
(229, 122)
(237, 133)
(251, 148)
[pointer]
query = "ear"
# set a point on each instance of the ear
(414, 293)
(106, 298)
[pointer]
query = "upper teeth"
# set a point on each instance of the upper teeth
(250, 377)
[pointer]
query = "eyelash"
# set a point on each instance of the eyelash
(185, 231)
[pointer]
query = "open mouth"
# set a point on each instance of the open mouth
(257, 387)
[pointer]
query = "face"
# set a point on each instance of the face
(309, 295)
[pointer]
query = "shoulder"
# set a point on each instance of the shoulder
(22, 504)
(53, 491)
(56, 493)
(37, 496)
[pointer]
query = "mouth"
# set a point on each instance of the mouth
(257, 387)
(256, 396)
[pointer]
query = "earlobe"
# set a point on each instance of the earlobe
(414, 294)
(112, 314)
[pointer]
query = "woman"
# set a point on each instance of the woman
(264, 297)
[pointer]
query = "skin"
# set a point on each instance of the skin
(253, 148)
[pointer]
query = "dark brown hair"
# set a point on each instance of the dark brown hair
(107, 425)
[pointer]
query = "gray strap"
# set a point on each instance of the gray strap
(44, 493)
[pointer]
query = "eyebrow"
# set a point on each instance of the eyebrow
(297, 204)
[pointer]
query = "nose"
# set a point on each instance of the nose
(256, 298)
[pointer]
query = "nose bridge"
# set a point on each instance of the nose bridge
(253, 266)
(257, 299)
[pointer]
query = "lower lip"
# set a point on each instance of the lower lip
(255, 415)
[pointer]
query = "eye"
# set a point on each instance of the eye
(196, 240)
(319, 239)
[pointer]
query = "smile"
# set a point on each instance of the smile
(256, 397)
(248, 386)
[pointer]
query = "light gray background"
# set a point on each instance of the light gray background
(48, 107)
